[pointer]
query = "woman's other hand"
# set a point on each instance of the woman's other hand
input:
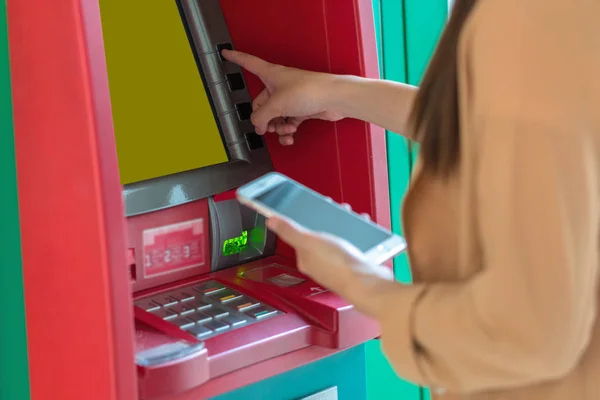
(291, 96)
(328, 260)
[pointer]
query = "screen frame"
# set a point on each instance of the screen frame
(206, 28)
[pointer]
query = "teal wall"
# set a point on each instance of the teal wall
(407, 32)
(390, 28)
(14, 378)
(346, 370)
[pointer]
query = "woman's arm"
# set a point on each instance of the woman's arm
(527, 317)
(380, 102)
(292, 96)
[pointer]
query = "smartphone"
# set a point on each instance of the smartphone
(275, 194)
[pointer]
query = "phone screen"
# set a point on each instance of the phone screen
(316, 213)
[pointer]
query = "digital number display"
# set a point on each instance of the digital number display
(235, 245)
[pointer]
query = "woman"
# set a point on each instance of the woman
(503, 215)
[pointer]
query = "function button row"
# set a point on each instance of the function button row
(235, 81)
(223, 46)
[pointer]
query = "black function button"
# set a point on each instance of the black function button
(244, 111)
(255, 141)
(223, 46)
(235, 81)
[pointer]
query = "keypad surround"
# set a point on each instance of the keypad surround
(207, 309)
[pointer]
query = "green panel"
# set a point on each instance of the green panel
(393, 61)
(382, 381)
(14, 375)
(377, 15)
(346, 370)
(389, 25)
(425, 20)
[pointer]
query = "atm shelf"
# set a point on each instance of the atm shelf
(207, 309)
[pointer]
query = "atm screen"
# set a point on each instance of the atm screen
(163, 120)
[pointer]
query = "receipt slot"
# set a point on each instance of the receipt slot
(144, 277)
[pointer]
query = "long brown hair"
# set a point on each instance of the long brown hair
(434, 120)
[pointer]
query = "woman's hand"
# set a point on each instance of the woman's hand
(328, 260)
(291, 96)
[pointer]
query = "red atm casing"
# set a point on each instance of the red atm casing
(80, 319)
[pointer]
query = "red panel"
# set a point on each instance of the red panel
(352, 159)
(313, 318)
(148, 277)
(254, 373)
(76, 289)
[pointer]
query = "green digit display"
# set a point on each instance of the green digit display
(235, 245)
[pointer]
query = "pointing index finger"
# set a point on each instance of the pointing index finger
(253, 64)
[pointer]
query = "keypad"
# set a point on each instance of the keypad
(165, 301)
(183, 308)
(207, 309)
(261, 312)
(217, 325)
(165, 313)
(216, 312)
(148, 305)
(184, 322)
(235, 320)
(184, 295)
(200, 331)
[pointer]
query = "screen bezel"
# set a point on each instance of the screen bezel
(244, 164)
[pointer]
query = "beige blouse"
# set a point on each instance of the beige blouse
(505, 255)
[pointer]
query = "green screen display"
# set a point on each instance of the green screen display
(235, 245)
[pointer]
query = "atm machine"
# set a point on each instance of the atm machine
(144, 277)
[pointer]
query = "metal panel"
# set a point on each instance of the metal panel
(170, 191)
